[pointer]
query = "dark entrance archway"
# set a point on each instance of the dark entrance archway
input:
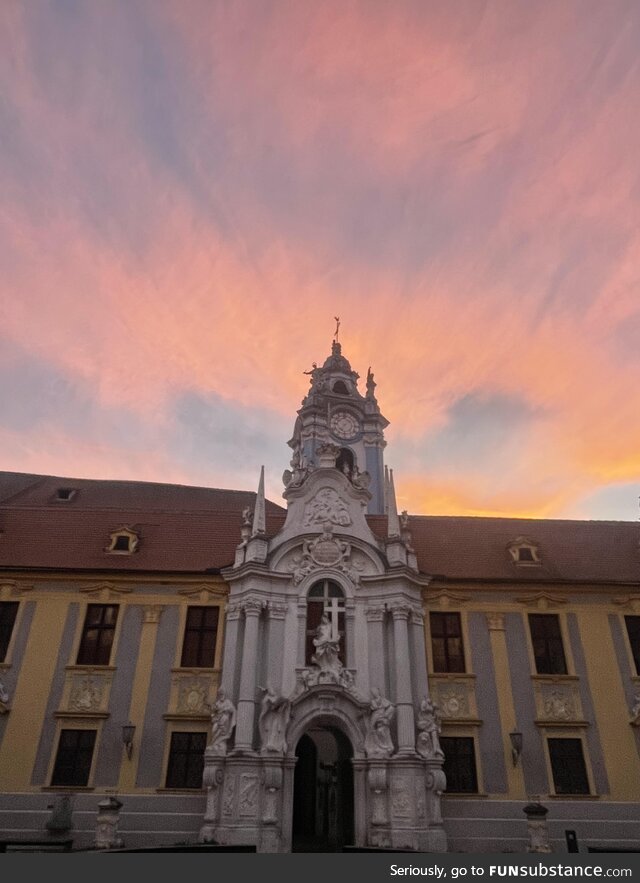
(323, 791)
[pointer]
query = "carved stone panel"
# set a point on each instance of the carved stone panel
(191, 694)
(326, 551)
(87, 692)
(229, 794)
(455, 698)
(248, 795)
(326, 506)
(401, 802)
(558, 702)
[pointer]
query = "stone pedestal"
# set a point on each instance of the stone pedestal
(537, 828)
(107, 823)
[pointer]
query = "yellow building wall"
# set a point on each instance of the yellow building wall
(27, 708)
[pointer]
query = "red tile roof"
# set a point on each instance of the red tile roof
(181, 528)
(462, 547)
(194, 529)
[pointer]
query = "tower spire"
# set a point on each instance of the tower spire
(259, 517)
(393, 530)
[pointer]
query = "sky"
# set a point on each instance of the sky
(191, 191)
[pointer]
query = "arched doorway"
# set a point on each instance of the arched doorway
(322, 791)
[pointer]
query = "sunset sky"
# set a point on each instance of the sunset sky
(191, 191)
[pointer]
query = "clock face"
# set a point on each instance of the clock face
(344, 425)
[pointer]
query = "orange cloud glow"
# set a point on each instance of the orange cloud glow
(459, 185)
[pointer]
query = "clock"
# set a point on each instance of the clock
(344, 425)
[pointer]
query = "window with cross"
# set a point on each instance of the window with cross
(325, 597)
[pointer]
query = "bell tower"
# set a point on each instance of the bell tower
(335, 412)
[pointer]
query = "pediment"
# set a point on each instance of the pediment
(326, 497)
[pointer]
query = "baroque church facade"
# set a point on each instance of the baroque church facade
(206, 665)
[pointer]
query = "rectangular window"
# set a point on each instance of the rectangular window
(8, 613)
(460, 764)
(97, 634)
(446, 642)
(186, 760)
(199, 647)
(73, 760)
(546, 639)
(633, 630)
(568, 766)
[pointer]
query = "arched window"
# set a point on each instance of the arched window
(325, 597)
(341, 388)
(345, 461)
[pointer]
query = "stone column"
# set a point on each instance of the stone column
(231, 622)
(247, 693)
(404, 700)
(302, 631)
(277, 612)
(375, 622)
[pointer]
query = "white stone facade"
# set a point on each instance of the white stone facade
(331, 701)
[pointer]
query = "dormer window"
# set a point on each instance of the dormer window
(340, 387)
(123, 541)
(64, 494)
(524, 552)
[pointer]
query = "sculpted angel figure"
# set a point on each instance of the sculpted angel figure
(429, 726)
(275, 712)
(381, 713)
(223, 720)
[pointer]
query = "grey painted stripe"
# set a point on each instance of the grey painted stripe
(490, 736)
(110, 751)
(625, 669)
(600, 778)
(45, 745)
(10, 675)
(152, 742)
(623, 660)
(533, 758)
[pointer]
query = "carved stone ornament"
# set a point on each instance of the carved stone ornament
(325, 551)
(327, 454)
(326, 668)
(248, 796)
(454, 703)
(229, 794)
(495, 622)
(326, 506)
(86, 694)
(559, 706)
(192, 696)
(635, 711)
(401, 804)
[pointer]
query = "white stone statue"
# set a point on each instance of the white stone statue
(635, 710)
(327, 649)
(275, 712)
(429, 726)
(223, 720)
(378, 742)
(4, 693)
